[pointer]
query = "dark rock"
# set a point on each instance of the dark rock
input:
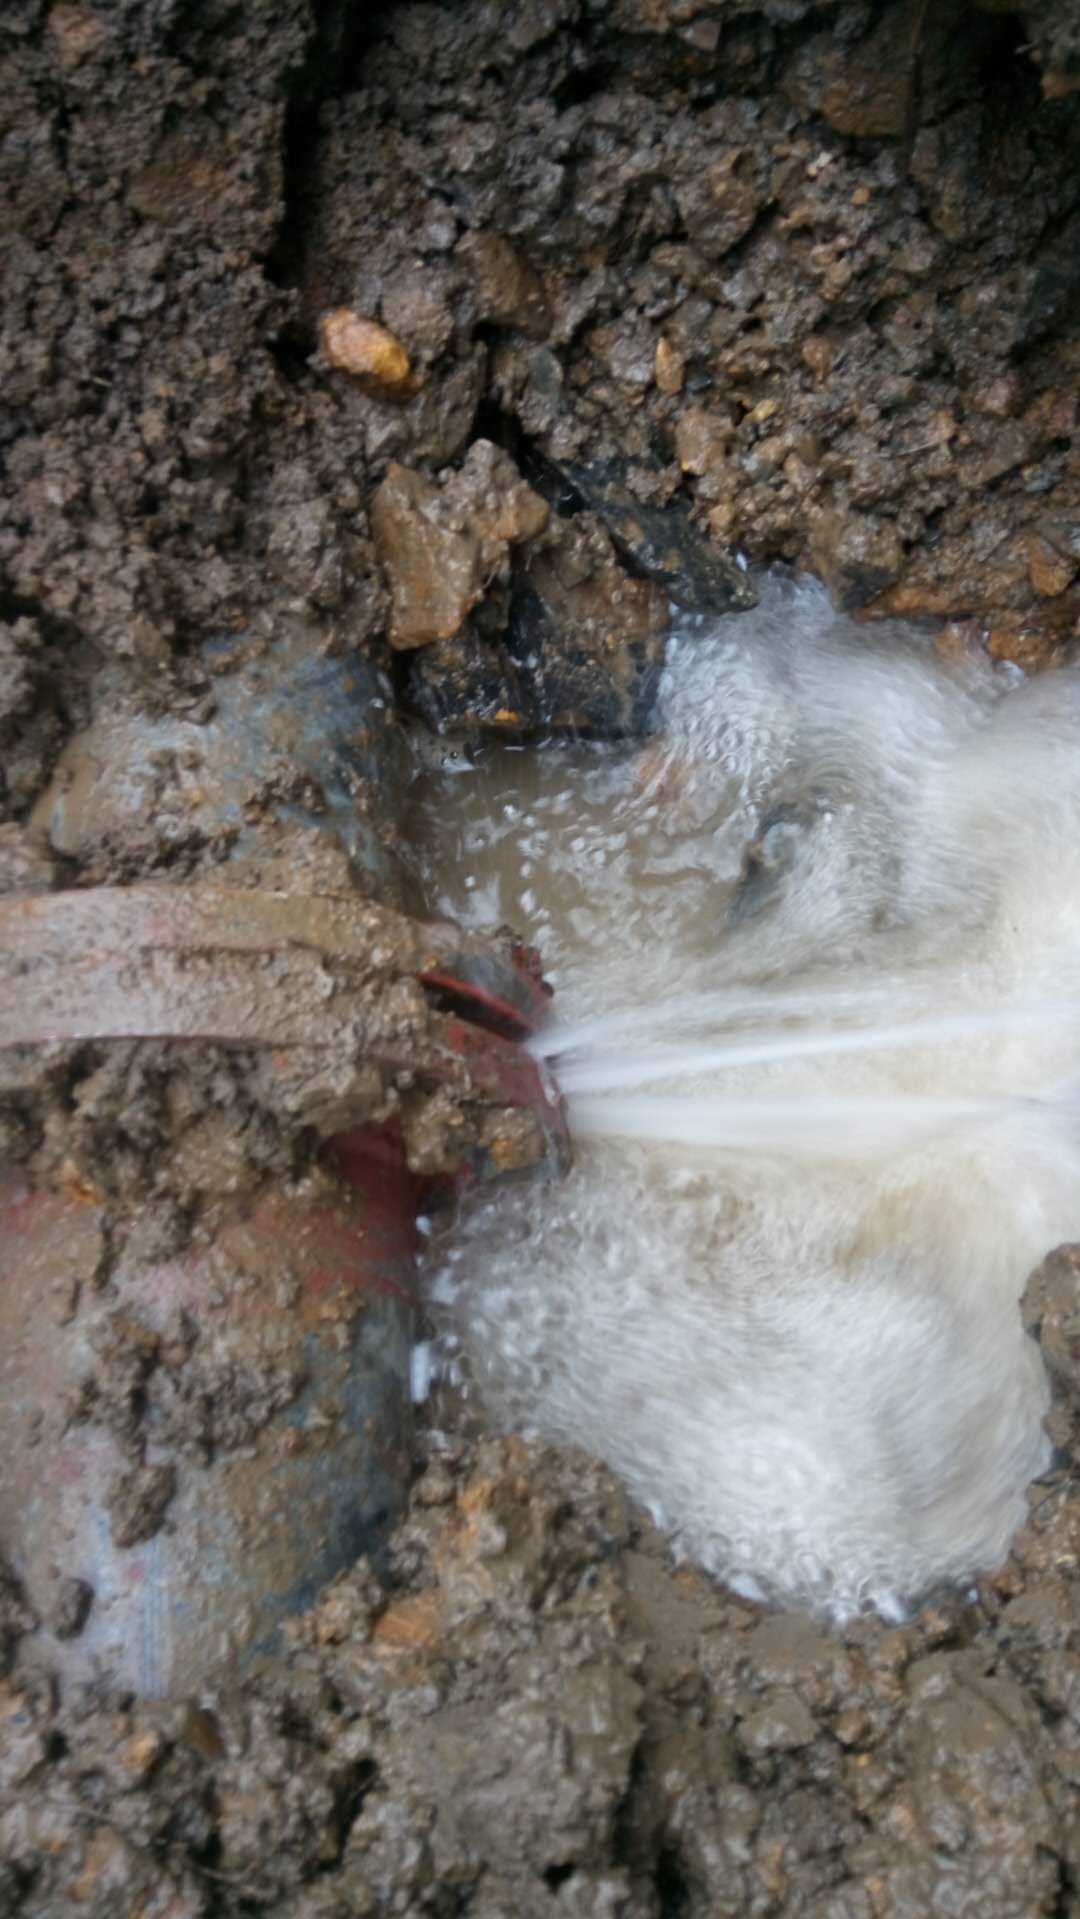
(857, 557)
(16, 1617)
(71, 1607)
(469, 683)
(586, 634)
(662, 543)
(137, 1503)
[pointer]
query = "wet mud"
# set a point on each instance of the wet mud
(528, 1711)
(805, 275)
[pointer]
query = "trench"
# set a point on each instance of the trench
(602, 476)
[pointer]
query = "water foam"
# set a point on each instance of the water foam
(818, 967)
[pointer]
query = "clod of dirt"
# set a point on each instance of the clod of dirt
(506, 290)
(70, 1608)
(15, 1617)
(137, 1503)
(31, 723)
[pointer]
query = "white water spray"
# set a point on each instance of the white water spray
(818, 970)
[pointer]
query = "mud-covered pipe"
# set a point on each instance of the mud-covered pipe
(194, 1446)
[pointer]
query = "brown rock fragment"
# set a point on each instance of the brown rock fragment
(1051, 1312)
(441, 548)
(410, 1626)
(867, 92)
(670, 369)
(858, 557)
(1049, 569)
(818, 356)
(702, 440)
(1028, 645)
(367, 351)
(506, 290)
(433, 569)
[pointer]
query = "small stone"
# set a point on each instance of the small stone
(702, 440)
(1056, 83)
(506, 290)
(818, 356)
(866, 90)
(1000, 398)
(70, 1608)
(783, 1725)
(137, 1503)
(441, 548)
(410, 1626)
(22, 1743)
(1049, 570)
(140, 1753)
(77, 33)
(1029, 646)
(857, 556)
(433, 570)
(367, 351)
(670, 369)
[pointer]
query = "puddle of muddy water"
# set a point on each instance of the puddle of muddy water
(815, 957)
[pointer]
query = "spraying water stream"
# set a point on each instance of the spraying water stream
(817, 957)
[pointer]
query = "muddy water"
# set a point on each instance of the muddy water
(815, 957)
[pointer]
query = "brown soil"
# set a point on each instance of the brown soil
(535, 1713)
(805, 273)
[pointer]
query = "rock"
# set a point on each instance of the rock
(1025, 642)
(858, 557)
(662, 542)
(669, 367)
(784, 1725)
(27, 862)
(506, 291)
(1051, 1313)
(15, 1616)
(71, 1607)
(441, 548)
(1050, 570)
(23, 1744)
(137, 1503)
(576, 645)
(468, 683)
(433, 569)
(587, 636)
(868, 93)
(367, 351)
(703, 440)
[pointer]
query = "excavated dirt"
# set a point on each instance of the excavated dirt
(802, 272)
(531, 1712)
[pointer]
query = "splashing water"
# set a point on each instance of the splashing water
(817, 952)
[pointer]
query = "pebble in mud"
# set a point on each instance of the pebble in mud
(367, 351)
